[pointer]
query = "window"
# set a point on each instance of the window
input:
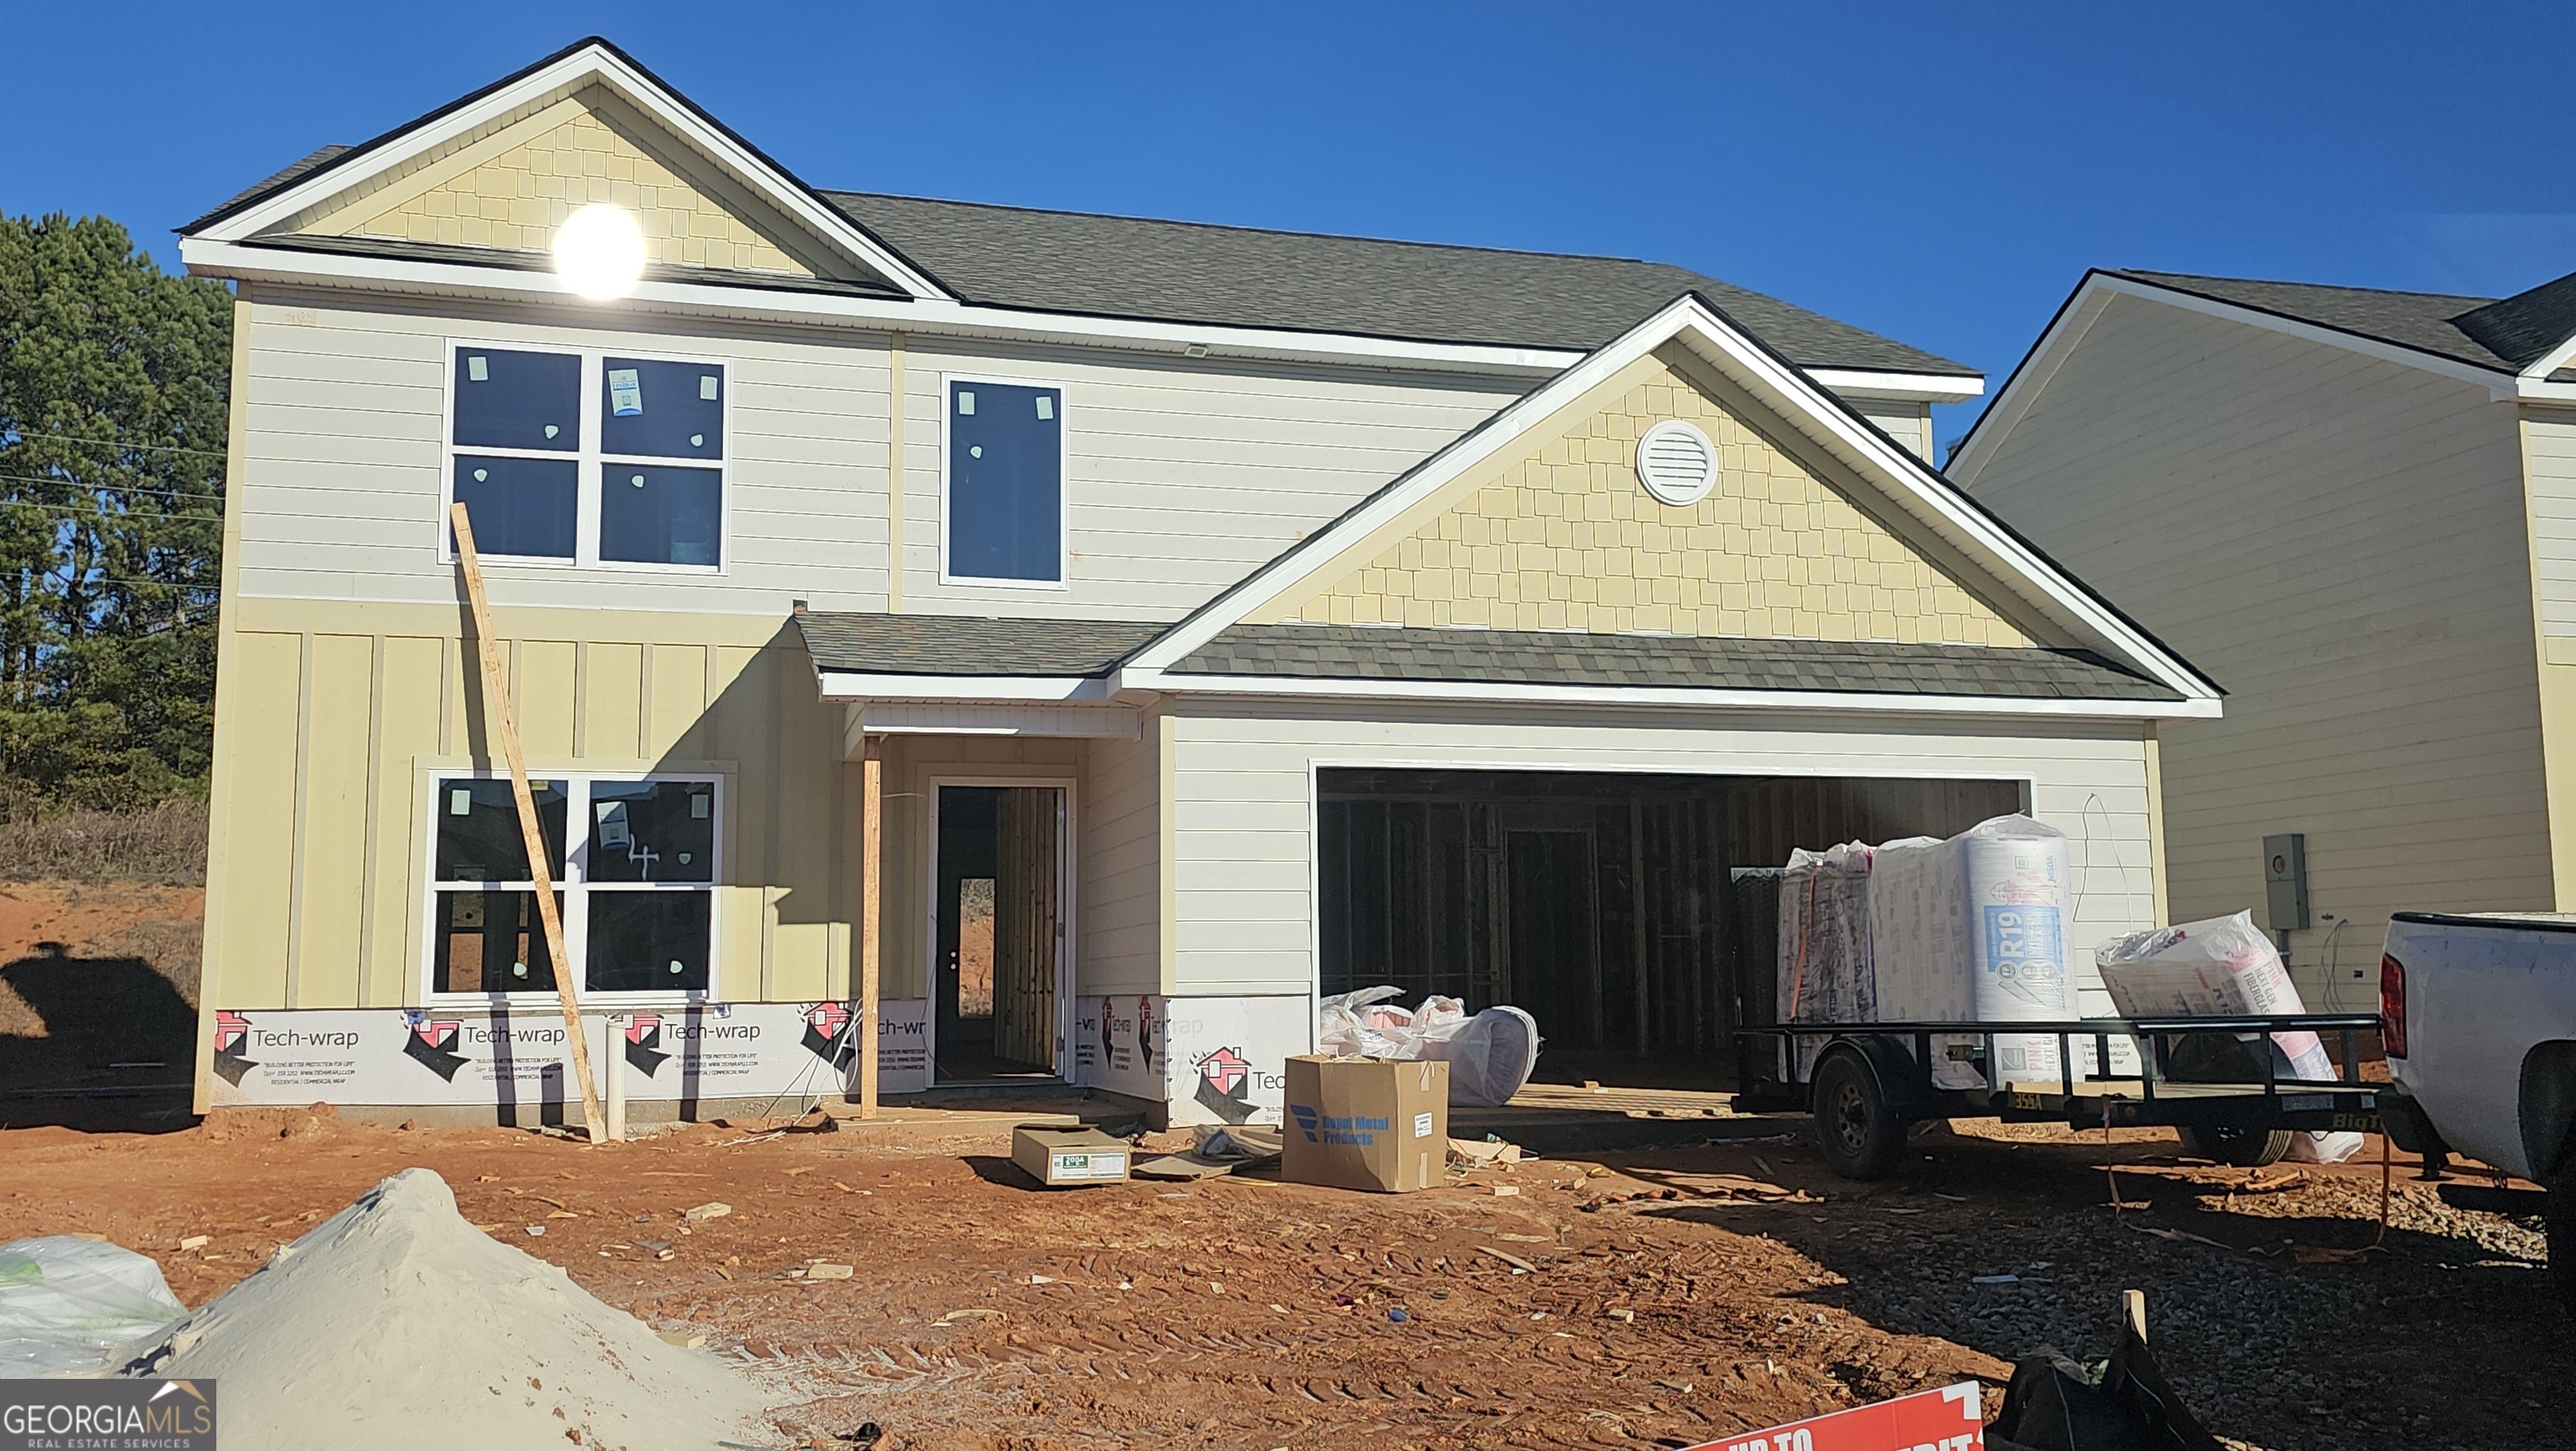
(1005, 483)
(637, 891)
(589, 458)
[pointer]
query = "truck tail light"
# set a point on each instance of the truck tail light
(2392, 1005)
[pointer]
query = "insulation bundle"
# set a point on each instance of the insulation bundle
(1825, 955)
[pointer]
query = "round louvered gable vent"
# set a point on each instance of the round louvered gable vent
(1677, 462)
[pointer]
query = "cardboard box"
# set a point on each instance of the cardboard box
(1366, 1123)
(1056, 1156)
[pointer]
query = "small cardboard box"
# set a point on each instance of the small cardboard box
(1056, 1155)
(1366, 1123)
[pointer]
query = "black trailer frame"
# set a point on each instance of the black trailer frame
(1867, 1082)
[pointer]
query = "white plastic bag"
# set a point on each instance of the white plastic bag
(2222, 967)
(1354, 1023)
(72, 1306)
(1490, 1056)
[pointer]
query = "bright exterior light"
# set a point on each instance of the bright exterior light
(600, 252)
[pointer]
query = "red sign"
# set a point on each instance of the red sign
(1948, 1419)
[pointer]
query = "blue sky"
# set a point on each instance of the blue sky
(1941, 174)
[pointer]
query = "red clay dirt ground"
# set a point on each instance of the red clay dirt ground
(988, 1315)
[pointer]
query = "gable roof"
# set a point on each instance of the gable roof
(248, 216)
(1909, 484)
(1129, 268)
(2428, 322)
(969, 645)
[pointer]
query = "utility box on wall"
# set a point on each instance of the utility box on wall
(2285, 881)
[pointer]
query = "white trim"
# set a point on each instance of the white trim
(590, 461)
(1774, 701)
(572, 885)
(1901, 387)
(2076, 318)
(591, 64)
(933, 317)
(1063, 580)
(861, 685)
(1067, 882)
(1910, 483)
(2550, 362)
(1061, 719)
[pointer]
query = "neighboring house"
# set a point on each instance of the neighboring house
(1238, 616)
(2356, 509)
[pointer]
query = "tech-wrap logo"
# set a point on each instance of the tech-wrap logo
(828, 1035)
(431, 1043)
(1227, 1081)
(232, 1032)
(644, 1043)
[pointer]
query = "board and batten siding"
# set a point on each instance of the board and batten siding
(329, 735)
(2340, 542)
(1183, 476)
(1244, 909)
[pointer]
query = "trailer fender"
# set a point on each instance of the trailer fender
(1906, 1084)
(2548, 1108)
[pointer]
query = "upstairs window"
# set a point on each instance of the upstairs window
(588, 458)
(1004, 502)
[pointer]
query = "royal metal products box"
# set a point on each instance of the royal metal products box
(1366, 1123)
(1057, 1156)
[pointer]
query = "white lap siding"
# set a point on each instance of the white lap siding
(1244, 778)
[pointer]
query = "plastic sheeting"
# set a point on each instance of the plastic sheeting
(2221, 967)
(1824, 964)
(71, 1306)
(1490, 1054)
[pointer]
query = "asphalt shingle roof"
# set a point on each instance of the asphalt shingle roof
(2506, 334)
(970, 645)
(956, 645)
(1669, 661)
(1079, 262)
(1132, 267)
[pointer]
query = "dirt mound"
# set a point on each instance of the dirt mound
(398, 1326)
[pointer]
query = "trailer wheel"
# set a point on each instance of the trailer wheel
(2560, 1216)
(2245, 1148)
(1857, 1127)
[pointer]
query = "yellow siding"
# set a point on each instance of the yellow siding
(255, 777)
(333, 735)
(1567, 538)
(572, 154)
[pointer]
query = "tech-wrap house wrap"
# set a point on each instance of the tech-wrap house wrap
(1236, 615)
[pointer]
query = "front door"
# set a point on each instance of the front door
(1000, 932)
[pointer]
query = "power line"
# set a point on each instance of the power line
(105, 516)
(142, 489)
(113, 443)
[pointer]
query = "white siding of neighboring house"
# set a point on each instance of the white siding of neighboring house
(1184, 475)
(2339, 541)
(1243, 801)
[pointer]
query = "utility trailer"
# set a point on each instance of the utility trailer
(1867, 1083)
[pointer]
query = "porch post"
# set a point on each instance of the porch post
(871, 897)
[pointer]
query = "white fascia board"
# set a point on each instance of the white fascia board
(287, 265)
(589, 65)
(1901, 387)
(1498, 693)
(2030, 378)
(2559, 395)
(860, 685)
(2550, 362)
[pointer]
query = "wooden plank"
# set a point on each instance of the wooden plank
(496, 693)
(871, 905)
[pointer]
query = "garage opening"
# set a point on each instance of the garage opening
(1601, 903)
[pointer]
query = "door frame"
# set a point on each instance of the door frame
(1066, 836)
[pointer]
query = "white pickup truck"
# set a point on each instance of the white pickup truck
(2478, 1014)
